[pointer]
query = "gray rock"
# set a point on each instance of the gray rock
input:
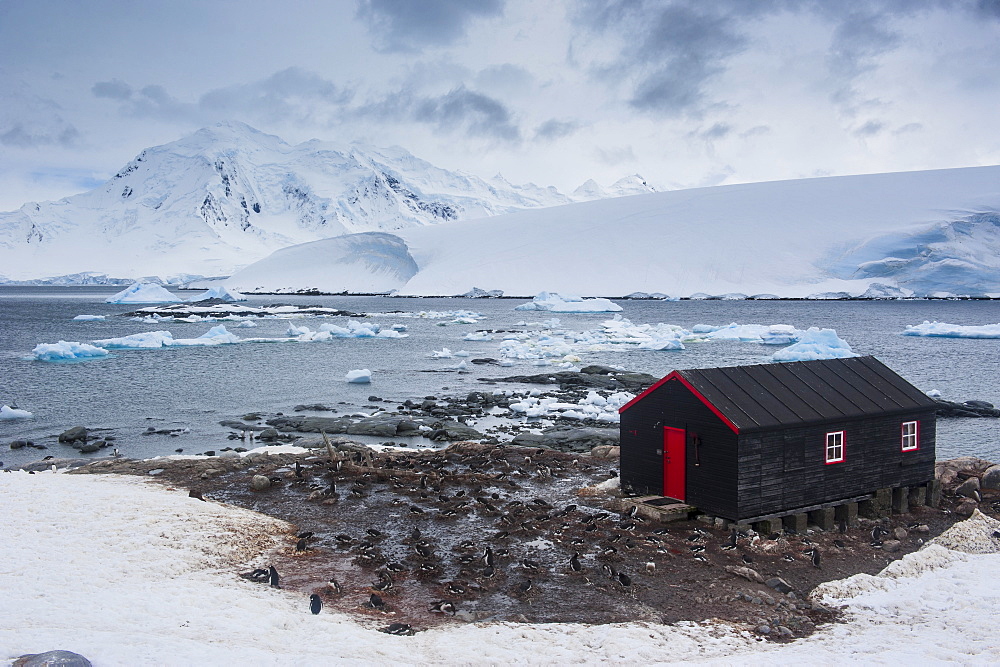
(746, 573)
(89, 448)
(779, 584)
(52, 659)
(268, 434)
(73, 434)
(900, 534)
(19, 444)
(569, 439)
(785, 632)
(454, 431)
(764, 629)
(891, 546)
(260, 483)
(969, 488)
(966, 507)
(991, 478)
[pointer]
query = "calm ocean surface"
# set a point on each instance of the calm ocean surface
(195, 388)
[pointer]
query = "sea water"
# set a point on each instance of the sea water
(190, 390)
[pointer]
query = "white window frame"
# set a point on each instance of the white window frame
(836, 447)
(909, 440)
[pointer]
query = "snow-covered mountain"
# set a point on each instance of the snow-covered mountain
(229, 195)
(923, 233)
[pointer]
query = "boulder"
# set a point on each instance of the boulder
(969, 488)
(746, 573)
(779, 584)
(453, 431)
(268, 434)
(89, 448)
(991, 478)
(260, 483)
(73, 434)
(19, 444)
(569, 439)
(52, 659)
(900, 533)
(891, 546)
(606, 452)
(966, 507)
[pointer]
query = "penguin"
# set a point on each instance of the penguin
(397, 629)
(489, 559)
(272, 577)
(747, 559)
(529, 564)
(305, 535)
(115, 453)
(455, 589)
(375, 602)
(315, 603)
(302, 544)
(624, 580)
(489, 572)
(842, 526)
(384, 582)
(574, 563)
(443, 607)
(524, 586)
(335, 587)
(258, 575)
(298, 470)
(731, 542)
(815, 557)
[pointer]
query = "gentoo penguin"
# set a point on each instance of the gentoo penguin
(315, 603)
(574, 563)
(443, 607)
(397, 629)
(272, 577)
(815, 557)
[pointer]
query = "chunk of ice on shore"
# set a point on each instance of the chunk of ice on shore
(67, 351)
(944, 330)
(8, 413)
(814, 344)
(558, 303)
(144, 293)
(360, 376)
(88, 318)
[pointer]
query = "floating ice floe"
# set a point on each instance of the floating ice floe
(143, 293)
(478, 335)
(88, 318)
(360, 376)
(456, 316)
(148, 340)
(8, 413)
(218, 292)
(67, 351)
(558, 303)
(814, 344)
(944, 330)
(353, 329)
(593, 406)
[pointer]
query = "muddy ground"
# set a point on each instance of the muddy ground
(492, 518)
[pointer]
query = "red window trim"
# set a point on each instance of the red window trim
(916, 436)
(843, 447)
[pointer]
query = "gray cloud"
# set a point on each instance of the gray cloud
(615, 156)
(869, 129)
(20, 135)
(556, 129)
(410, 25)
(291, 94)
(717, 131)
(479, 114)
(114, 89)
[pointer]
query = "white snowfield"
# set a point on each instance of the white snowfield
(923, 233)
(127, 572)
(229, 195)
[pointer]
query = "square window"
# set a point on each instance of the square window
(835, 447)
(910, 440)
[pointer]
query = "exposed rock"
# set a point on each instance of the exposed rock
(891, 546)
(19, 444)
(900, 533)
(89, 448)
(615, 380)
(52, 659)
(947, 471)
(966, 409)
(268, 434)
(966, 507)
(453, 431)
(606, 452)
(991, 478)
(260, 483)
(73, 434)
(779, 584)
(569, 439)
(969, 488)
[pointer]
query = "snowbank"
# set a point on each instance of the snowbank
(218, 292)
(143, 293)
(8, 413)
(67, 351)
(557, 303)
(816, 344)
(943, 330)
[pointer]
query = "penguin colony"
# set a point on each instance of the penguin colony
(474, 532)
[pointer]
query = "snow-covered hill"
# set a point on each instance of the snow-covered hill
(229, 195)
(923, 232)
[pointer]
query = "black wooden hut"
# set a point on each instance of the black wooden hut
(746, 442)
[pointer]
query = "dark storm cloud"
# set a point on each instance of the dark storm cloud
(556, 129)
(480, 115)
(114, 89)
(410, 25)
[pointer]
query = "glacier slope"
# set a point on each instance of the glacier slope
(789, 238)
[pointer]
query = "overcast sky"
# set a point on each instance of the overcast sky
(685, 93)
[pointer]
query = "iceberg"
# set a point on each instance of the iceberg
(152, 340)
(360, 376)
(143, 293)
(218, 292)
(88, 318)
(557, 303)
(944, 330)
(67, 351)
(8, 413)
(816, 343)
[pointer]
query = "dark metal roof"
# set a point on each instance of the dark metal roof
(803, 392)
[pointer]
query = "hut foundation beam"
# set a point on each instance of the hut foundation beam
(768, 526)
(901, 500)
(933, 492)
(878, 506)
(796, 522)
(848, 513)
(918, 496)
(823, 518)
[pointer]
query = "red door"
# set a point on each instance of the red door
(674, 443)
